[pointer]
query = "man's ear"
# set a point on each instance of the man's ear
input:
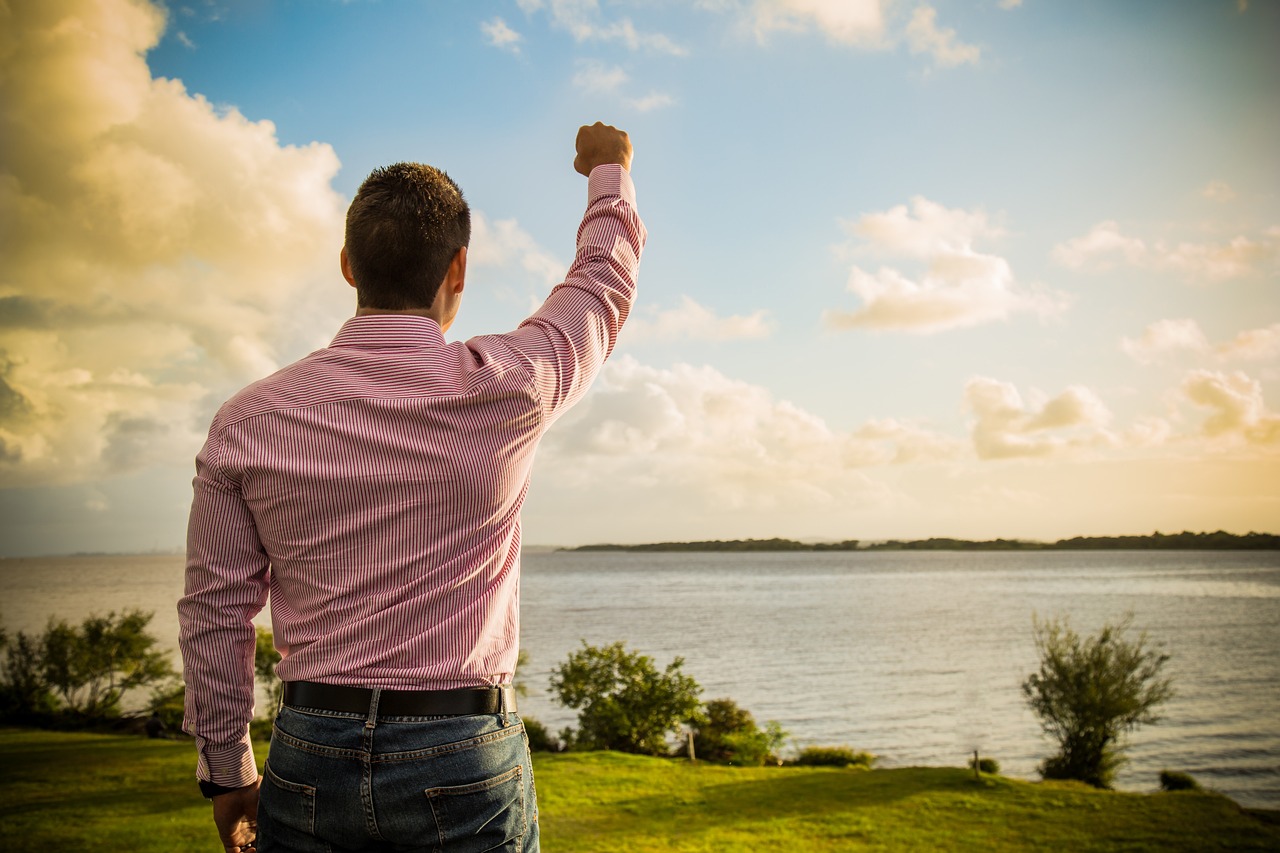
(346, 267)
(456, 277)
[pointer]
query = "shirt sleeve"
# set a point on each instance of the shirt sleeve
(226, 586)
(566, 341)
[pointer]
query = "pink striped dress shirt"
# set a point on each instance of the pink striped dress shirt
(374, 488)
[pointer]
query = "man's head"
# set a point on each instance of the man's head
(404, 227)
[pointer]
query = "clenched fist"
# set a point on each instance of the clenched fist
(600, 143)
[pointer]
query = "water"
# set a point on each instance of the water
(916, 657)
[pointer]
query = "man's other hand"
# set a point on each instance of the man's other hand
(599, 144)
(236, 815)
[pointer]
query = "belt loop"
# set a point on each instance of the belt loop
(372, 720)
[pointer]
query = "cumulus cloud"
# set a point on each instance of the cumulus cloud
(857, 22)
(158, 250)
(924, 36)
(1235, 404)
(1219, 191)
(692, 321)
(583, 20)
(956, 285)
(694, 431)
(596, 77)
(1166, 338)
(1006, 426)
(1106, 246)
(503, 243)
(500, 35)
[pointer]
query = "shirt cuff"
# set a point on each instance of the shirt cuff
(609, 180)
(230, 767)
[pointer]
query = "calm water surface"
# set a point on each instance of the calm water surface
(916, 657)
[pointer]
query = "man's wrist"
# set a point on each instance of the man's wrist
(212, 789)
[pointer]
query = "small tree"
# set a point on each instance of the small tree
(91, 667)
(623, 702)
(265, 658)
(1089, 693)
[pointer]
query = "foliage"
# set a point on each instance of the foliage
(729, 734)
(834, 756)
(540, 740)
(83, 670)
(986, 765)
(1090, 692)
(623, 702)
(1171, 780)
(167, 702)
(265, 658)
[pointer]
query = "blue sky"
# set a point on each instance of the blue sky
(915, 268)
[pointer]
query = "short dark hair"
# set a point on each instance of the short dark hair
(404, 226)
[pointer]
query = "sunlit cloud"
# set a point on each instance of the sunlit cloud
(503, 243)
(1236, 407)
(1006, 426)
(692, 431)
(159, 251)
(856, 22)
(599, 78)
(583, 20)
(1010, 4)
(1219, 191)
(500, 35)
(692, 321)
(955, 286)
(924, 36)
(1106, 247)
(1164, 339)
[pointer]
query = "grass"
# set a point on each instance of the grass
(79, 791)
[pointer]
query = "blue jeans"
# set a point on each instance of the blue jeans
(337, 782)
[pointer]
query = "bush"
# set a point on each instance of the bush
(1171, 780)
(834, 756)
(540, 740)
(729, 734)
(986, 765)
(623, 702)
(1089, 692)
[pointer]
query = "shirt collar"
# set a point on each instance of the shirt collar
(389, 331)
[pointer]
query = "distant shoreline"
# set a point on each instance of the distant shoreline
(1185, 541)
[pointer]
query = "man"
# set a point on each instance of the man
(374, 487)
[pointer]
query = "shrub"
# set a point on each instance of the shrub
(1171, 780)
(728, 733)
(1089, 692)
(986, 765)
(834, 756)
(623, 702)
(540, 740)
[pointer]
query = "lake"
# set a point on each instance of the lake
(916, 657)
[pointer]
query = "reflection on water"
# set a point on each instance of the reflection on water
(917, 657)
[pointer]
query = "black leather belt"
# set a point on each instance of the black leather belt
(401, 703)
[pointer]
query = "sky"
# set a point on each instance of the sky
(999, 268)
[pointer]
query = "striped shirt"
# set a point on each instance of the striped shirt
(374, 489)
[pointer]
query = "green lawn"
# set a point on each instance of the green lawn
(74, 791)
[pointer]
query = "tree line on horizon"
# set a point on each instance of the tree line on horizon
(1185, 541)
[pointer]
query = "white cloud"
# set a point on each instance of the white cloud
(1010, 4)
(1105, 246)
(946, 49)
(1005, 426)
(503, 243)
(1165, 338)
(958, 286)
(582, 20)
(652, 101)
(1219, 191)
(857, 22)
(159, 252)
(1237, 411)
(501, 36)
(694, 322)
(598, 78)
(703, 439)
